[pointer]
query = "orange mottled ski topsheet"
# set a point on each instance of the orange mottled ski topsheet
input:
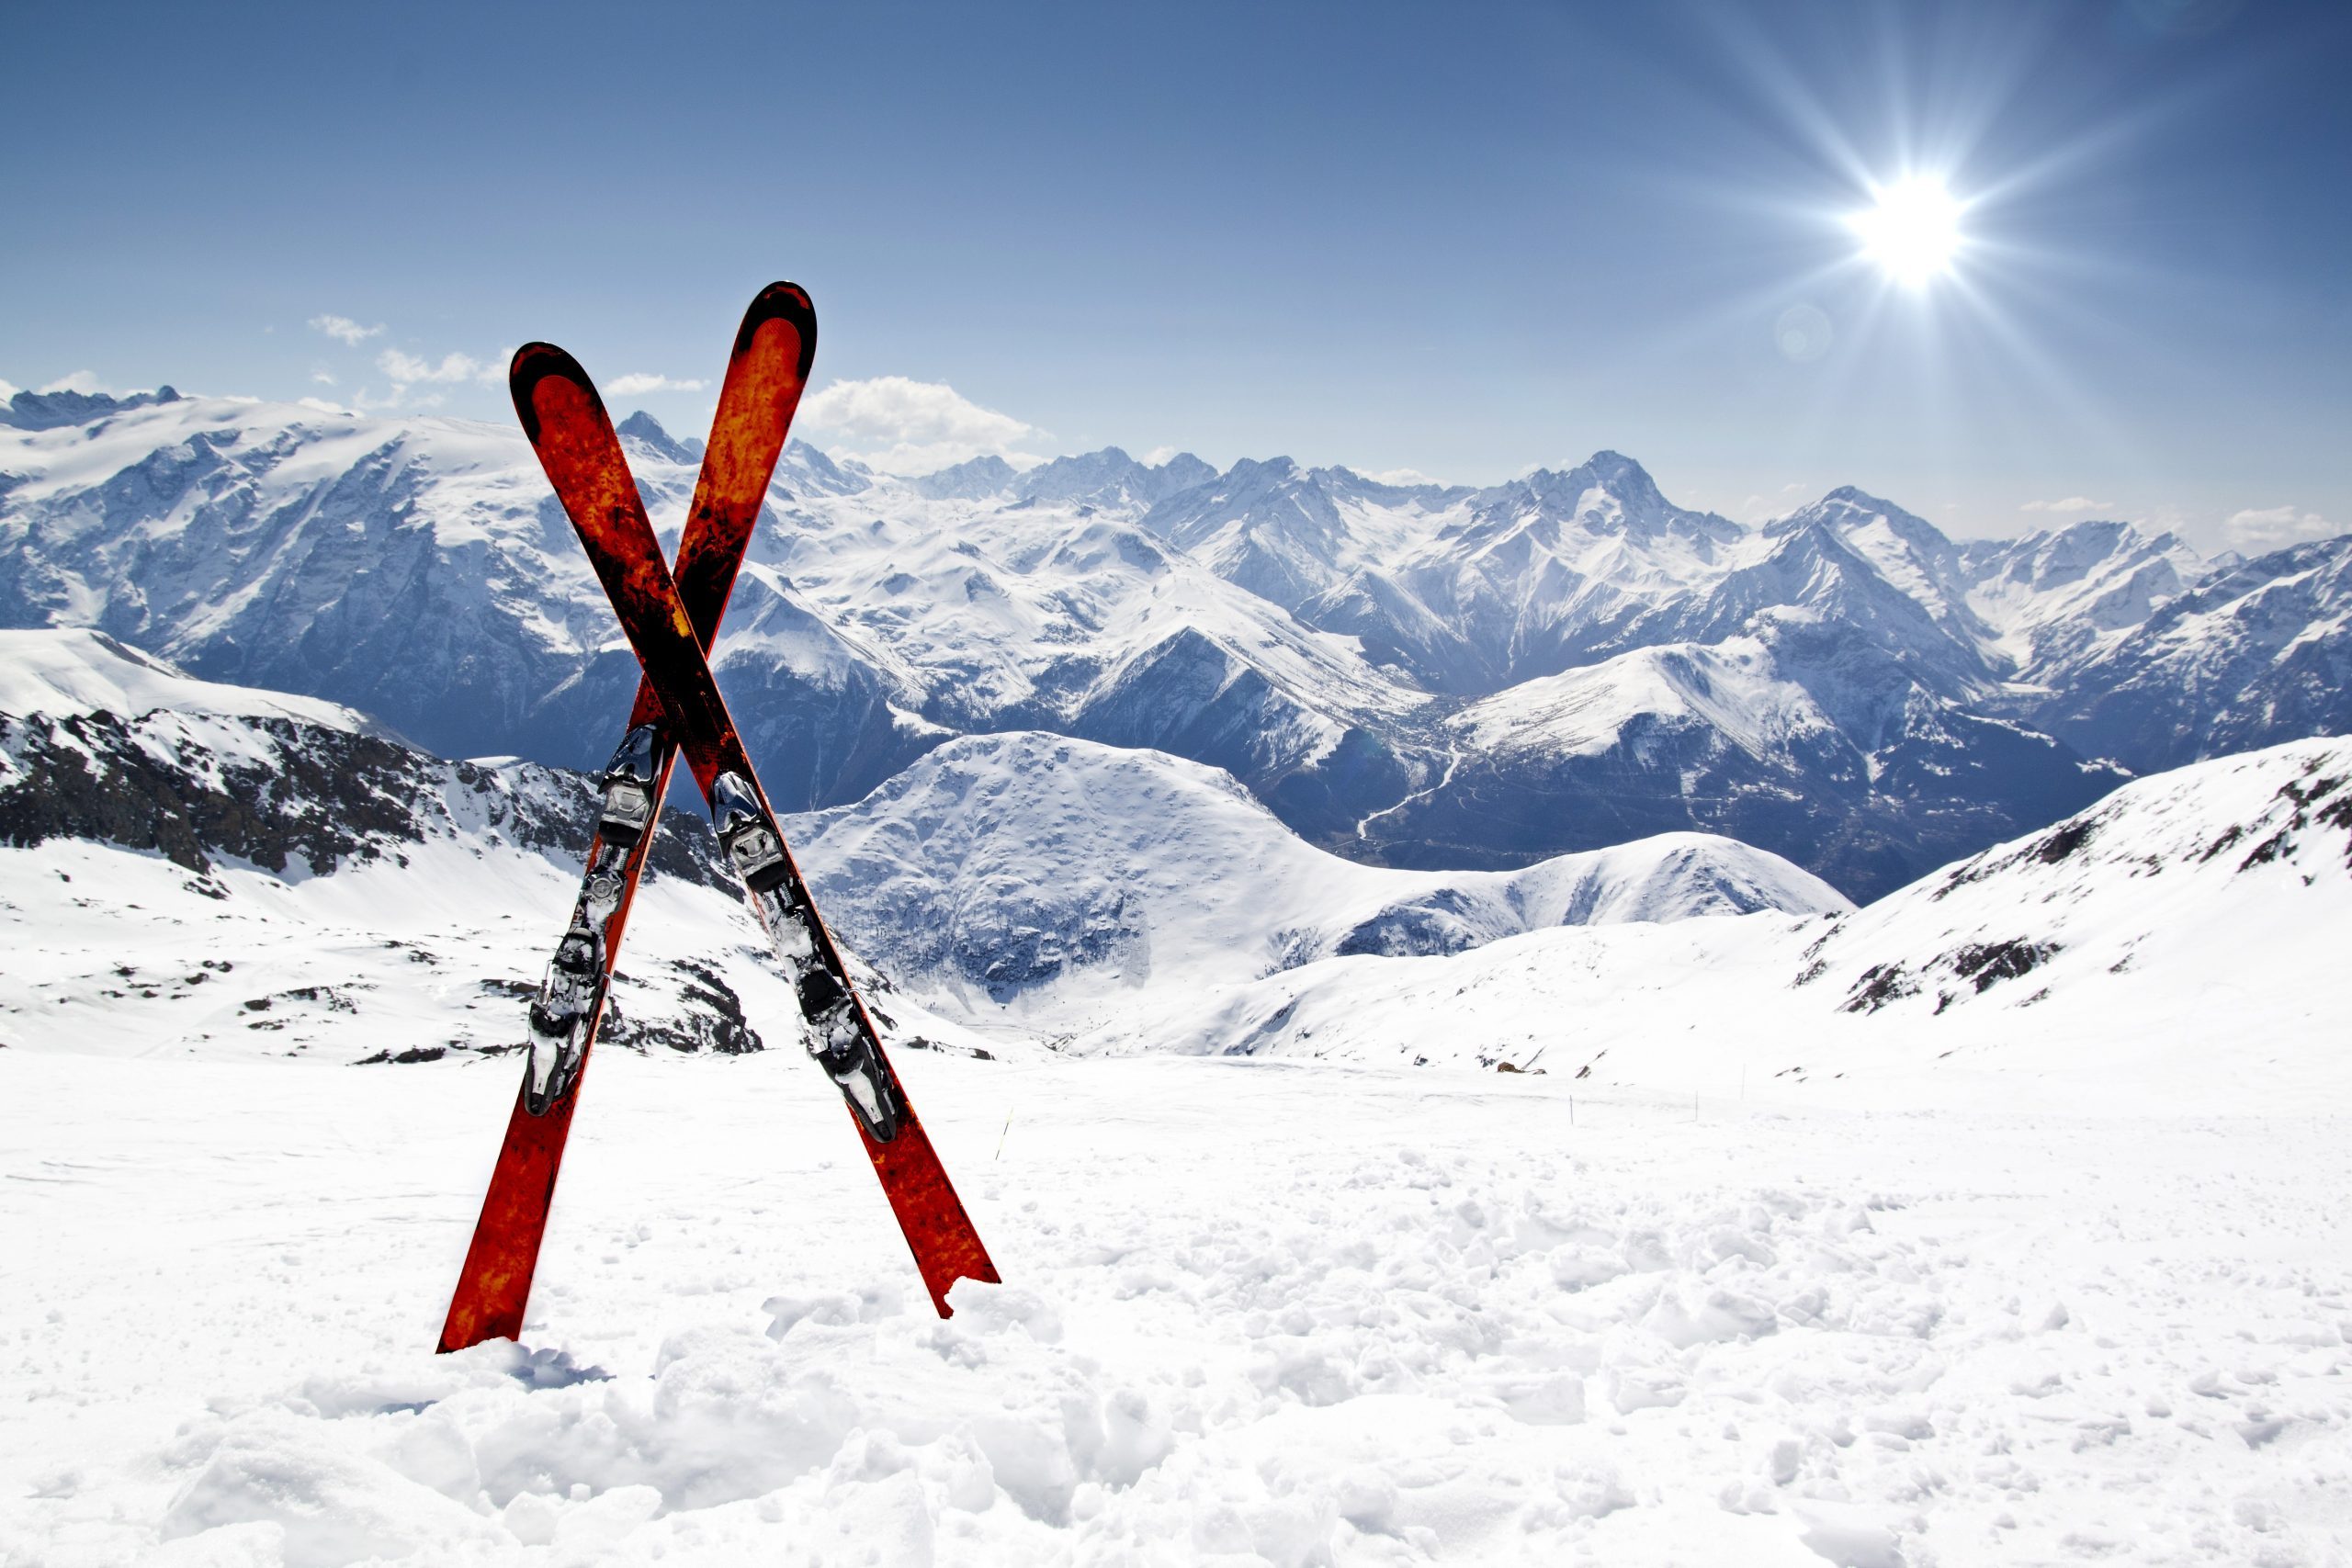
(765, 376)
(574, 437)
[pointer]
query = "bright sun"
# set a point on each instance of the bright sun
(1913, 230)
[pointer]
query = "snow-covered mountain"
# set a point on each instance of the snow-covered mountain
(188, 868)
(2176, 946)
(2258, 650)
(1395, 671)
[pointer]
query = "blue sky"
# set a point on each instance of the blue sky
(1459, 240)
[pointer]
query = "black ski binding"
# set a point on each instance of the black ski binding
(561, 1015)
(627, 782)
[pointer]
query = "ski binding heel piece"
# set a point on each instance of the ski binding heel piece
(627, 782)
(745, 828)
(560, 1018)
(838, 1040)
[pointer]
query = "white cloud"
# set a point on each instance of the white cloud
(342, 329)
(83, 381)
(2273, 526)
(408, 370)
(8, 389)
(904, 426)
(321, 405)
(1401, 476)
(322, 379)
(2072, 503)
(637, 384)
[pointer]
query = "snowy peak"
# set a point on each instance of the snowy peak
(1107, 480)
(2056, 596)
(1303, 627)
(70, 671)
(803, 471)
(2252, 649)
(1056, 876)
(1607, 495)
(972, 480)
(47, 410)
(1269, 526)
(641, 431)
(1110, 480)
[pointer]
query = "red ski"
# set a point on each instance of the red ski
(573, 435)
(765, 375)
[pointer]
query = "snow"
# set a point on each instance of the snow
(1735, 688)
(1308, 629)
(1731, 1270)
(2173, 950)
(1036, 880)
(1993, 1222)
(1254, 1311)
(72, 671)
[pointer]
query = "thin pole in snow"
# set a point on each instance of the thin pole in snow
(1000, 1137)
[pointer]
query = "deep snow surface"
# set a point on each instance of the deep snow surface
(1255, 1312)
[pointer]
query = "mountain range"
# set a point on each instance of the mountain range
(1427, 676)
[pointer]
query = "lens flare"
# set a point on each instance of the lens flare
(1913, 230)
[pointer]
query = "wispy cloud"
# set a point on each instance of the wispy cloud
(342, 329)
(83, 381)
(2272, 526)
(906, 427)
(408, 370)
(637, 384)
(8, 389)
(1401, 476)
(322, 379)
(2072, 503)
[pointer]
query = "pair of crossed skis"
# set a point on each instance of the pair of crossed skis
(670, 617)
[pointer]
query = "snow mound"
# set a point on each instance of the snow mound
(1251, 1314)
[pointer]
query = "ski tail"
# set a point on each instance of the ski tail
(494, 1287)
(939, 1232)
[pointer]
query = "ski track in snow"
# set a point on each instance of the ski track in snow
(1255, 1312)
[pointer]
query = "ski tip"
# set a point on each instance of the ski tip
(786, 302)
(534, 363)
